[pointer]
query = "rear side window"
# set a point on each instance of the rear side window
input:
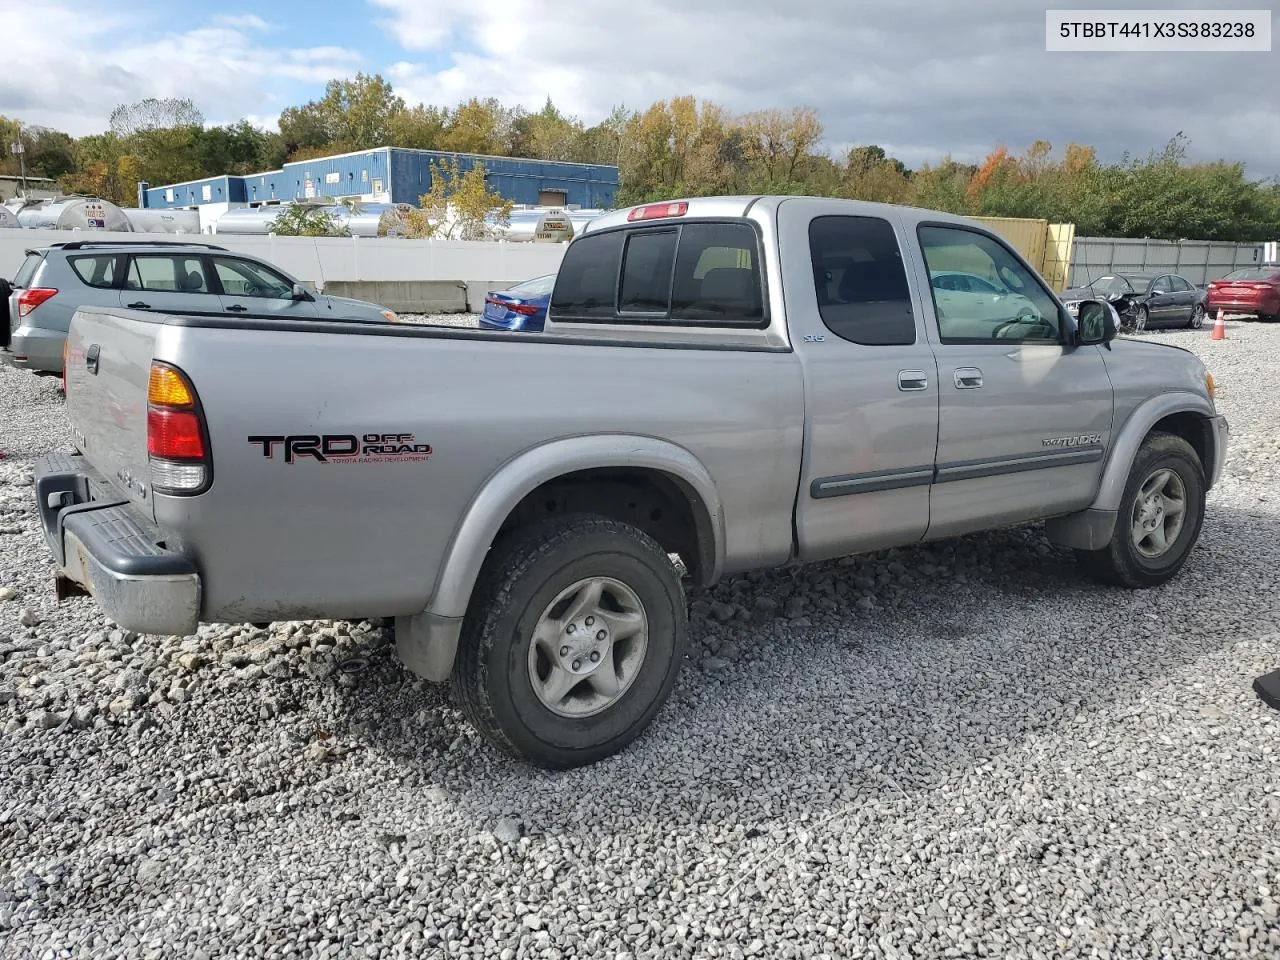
(588, 280)
(717, 274)
(169, 274)
(861, 282)
(99, 271)
(28, 270)
(706, 273)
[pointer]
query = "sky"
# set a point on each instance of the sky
(921, 78)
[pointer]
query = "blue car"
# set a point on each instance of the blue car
(522, 307)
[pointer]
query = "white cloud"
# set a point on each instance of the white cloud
(89, 60)
(247, 21)
(929, 76)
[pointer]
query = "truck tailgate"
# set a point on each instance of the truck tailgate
(109, 353)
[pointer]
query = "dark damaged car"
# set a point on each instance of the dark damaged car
(1144, 301)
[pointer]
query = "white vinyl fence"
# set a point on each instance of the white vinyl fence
(316, 260)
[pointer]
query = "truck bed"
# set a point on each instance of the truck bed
(345, 536)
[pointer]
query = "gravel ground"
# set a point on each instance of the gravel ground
(442, 319)
(954, 750)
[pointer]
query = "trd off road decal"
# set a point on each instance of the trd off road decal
(345, 447)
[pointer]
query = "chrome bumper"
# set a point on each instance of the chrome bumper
(104, 547)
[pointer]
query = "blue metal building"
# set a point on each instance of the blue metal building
(395, 175)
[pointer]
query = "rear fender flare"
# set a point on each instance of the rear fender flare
(518, 477)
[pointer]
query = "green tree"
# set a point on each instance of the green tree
(420, 127)
(300, 220)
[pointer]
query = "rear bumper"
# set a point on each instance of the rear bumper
(104, 547)
(1257, 304)
(34, 348)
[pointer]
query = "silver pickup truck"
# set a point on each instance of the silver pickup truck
(736, 383)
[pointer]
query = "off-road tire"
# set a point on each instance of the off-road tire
(1120, 563)
(521, 577)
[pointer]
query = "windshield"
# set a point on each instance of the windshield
(1108, 285)
(1253, 273)
(537, 287)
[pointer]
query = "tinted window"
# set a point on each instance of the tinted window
(861, 282)
(1180, 285)
(588, 278)
(1161, 285)
(240, 278)
(646, 272)
(99, 271)
(171, 274)
(1019, 309)
(27, 270)
(717, 274)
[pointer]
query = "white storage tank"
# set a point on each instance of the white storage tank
(160, 220)
(9, 219)
(72, 213)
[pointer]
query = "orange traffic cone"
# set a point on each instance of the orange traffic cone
(1219, 327)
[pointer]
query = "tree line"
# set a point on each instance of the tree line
(677, 147)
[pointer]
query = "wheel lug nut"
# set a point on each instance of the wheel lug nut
(595, 656)
(570, 628)
(590, 621)
(601, 635)
(564, 651)
(577, 664)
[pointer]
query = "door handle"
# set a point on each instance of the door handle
(91, 358)
(236, 308)
(912, 380)
(138, 305)
(968, 378)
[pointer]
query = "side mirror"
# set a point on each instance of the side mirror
(1097, 323)
(300, 292)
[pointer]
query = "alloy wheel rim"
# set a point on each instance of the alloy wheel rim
(588, 647)
(1159, 512)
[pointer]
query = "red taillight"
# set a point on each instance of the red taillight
(524, 309)
(176, 444)
(174, 434)
(32, 297)
(657, 211)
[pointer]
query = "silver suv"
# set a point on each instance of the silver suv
(188, 278)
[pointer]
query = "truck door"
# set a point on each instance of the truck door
(870, 381)
(1024, 420)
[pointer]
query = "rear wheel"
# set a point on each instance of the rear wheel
(1159, 518)
(1197, 317)
(572, 642)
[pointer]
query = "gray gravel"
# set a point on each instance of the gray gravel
(442, 319)
(954, 750)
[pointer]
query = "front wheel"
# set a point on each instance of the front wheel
(1159, 519)
(572, 642)
(1141, 316)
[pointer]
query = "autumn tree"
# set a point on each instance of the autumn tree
(459, 206)
(777, 145)
(420, 127)
(477, 126)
